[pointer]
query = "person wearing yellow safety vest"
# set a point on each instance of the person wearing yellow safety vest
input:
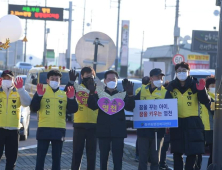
(51, 104)
(188, 138)
(207, 114)
(145, 82)
(12, 96)
(146, 136)
(84, 134)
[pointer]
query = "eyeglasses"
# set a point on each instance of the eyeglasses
(181, 71)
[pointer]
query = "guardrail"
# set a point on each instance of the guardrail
(16, 71)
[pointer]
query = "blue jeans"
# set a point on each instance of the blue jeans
(42, 149)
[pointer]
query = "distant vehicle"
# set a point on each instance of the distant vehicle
(25, 116)
(23, 65)
(128, 114)
(201, 73)
(39, 75)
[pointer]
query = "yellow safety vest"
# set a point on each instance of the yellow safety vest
(188, 104)
(206, 116)
(158, 93)
(85, 114)
(52, 111)
(10, 109)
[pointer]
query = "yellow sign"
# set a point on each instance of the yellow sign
(199, 57)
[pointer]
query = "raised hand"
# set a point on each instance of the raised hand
(91, 85)
(73, 75)
(201, 84)
(124, 84)
(18, 83)
(129, 88)
(40, 90)
(70, 92)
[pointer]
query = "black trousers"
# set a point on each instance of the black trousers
(42, 149)
(81, 137)
(178, 161)
(147, 151)
(137, 148)
(9, 140)
(114, 144)
(211, 151)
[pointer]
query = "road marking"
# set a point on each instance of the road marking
(184, 156)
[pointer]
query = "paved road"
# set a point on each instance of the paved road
(130, 140)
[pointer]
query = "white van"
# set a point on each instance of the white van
(201, 73)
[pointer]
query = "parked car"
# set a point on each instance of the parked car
(201, 73)
(39, 75)
(23, 65)
(25, 117)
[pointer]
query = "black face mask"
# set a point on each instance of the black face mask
(85, 80)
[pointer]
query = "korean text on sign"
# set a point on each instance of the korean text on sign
(156, 113)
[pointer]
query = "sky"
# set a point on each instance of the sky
(150, 16)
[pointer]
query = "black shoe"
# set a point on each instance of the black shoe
(164, 167)
(137, 159)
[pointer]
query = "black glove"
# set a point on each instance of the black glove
(129, 88)
(124, 83)
(73, 75)
(91, 86)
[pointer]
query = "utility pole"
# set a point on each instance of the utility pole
(68, 52)
(15, 58)
(84, 13)
(217, 136)
(176, 37)
(25, 35)
(97, 44)
(141, 59)
(45, 43)
(117, 37)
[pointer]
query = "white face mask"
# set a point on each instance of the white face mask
(182, 76)
(54, 84)
(6, 83)
(212, 90)
(112, 84)
(158, 83)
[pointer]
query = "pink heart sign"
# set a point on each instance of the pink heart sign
(82, 97)
(111, 107)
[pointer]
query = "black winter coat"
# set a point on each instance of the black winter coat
(110, 126)
(149, 132)
(188, 138)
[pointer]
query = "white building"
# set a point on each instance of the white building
(15, 53)
(165, 54)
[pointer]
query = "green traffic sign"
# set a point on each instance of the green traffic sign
(50, 54)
